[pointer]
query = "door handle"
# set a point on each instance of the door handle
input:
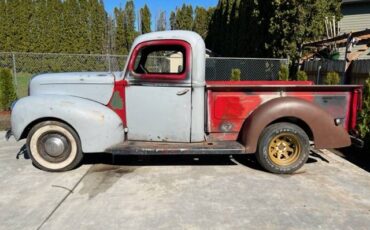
(182, 92)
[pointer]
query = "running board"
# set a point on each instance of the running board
(161, 148)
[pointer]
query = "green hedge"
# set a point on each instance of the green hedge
(332, 78)
(235, 75)
(283, 73)
(302, 75)
(364, 125)
(42, 63)
(7, 91)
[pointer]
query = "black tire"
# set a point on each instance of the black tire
(283, 148)
(54, 147)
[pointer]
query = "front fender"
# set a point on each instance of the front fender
(325, 133)
(97, 126)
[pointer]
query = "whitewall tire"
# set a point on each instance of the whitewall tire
(54, 146)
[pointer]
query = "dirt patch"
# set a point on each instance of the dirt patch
(4, 120)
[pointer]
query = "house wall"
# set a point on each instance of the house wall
(356, 17)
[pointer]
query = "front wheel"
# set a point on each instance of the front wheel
(54, 146)
(283, 148)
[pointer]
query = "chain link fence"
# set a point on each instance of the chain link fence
(251, 69)
(25, 65)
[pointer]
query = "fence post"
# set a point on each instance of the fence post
(109, 64)
(14, 73)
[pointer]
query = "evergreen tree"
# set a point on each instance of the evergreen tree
(161, 21)
(3, 25)
(70, 40)
(120, 46)
(129, 24)
(110, 35)
(267, 28)
(173, 20)
(98, 20)
(184, 17)
(53, 27)
(145, 17)
(7, 91)
(201, 21)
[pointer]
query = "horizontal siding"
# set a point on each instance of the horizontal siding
(365, 55)
(355, 18)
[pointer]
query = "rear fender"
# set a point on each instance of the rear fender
(97, 126)
(326, 134)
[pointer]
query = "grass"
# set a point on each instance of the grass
(23, 80)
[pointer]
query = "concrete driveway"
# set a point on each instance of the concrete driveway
(174, 192)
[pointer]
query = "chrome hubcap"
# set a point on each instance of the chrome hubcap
(55, 146)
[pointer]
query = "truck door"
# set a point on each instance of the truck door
(158, 95)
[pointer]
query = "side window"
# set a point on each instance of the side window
(160, 60)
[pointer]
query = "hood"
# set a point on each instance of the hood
(96, 86)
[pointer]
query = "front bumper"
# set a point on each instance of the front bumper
(8, 134)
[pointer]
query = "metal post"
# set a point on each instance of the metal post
(109, 64)
(346, 59)
(318, 75)
(14, 73)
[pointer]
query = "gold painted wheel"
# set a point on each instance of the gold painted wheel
(284, 149)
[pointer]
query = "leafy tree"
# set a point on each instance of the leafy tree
(283, 73)
(145, 17)
(7, 91)
(332, 78)
(302, 75)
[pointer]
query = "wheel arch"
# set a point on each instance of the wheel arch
(295, 120)
(317, 123)
(32, 124)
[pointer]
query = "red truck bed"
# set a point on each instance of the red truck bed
(229, 103)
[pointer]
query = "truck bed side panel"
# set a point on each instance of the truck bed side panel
(228, 107)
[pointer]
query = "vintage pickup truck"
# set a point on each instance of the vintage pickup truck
(171, 109)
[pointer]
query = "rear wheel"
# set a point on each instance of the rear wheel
(54, 146)
(283, 148)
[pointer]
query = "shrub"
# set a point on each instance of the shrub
(235, 75)
(364, 115)
(7, 91)
(283, 73)
(302, 75)
(332, 78)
